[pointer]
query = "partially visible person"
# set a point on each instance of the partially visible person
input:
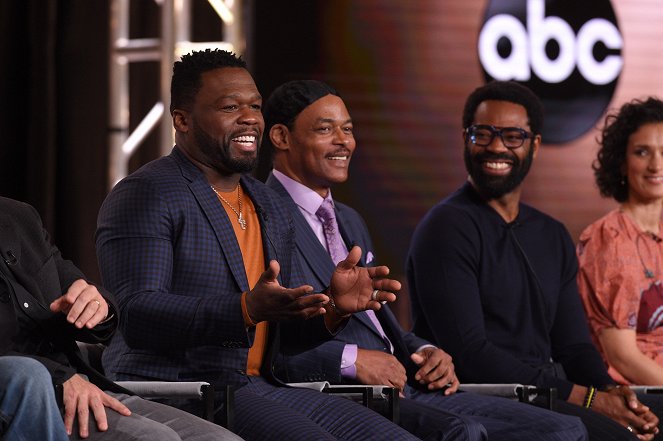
(201, 257)
(46, 306)
(493, 280)
(28, 410)
(621, 254)
(312, 138)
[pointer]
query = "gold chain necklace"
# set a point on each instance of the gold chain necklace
(240, 218)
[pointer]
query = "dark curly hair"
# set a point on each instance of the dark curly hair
(618, 127)
(505, 91)
(187, 72)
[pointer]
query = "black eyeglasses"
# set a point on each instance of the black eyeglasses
(483, 134)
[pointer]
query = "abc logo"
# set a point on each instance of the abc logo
(567, 51)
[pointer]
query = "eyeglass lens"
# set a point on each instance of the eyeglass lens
(512, 137)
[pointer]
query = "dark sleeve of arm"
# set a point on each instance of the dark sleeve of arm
(103, 332)
(136, 236)
(299, 336)
(571, 342)
(443, 269)
(67, 274)
(322, 363)
(391, 325)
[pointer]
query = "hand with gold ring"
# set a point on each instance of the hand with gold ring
(83, 305)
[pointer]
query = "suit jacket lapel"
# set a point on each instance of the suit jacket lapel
(348, 232)
(308, 245)
(269, 229)
(217, 217)
(306, 241)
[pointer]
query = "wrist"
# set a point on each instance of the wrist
(590, 395)
(248, 320)
(335, 309)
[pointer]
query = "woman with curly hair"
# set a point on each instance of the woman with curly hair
(621, 255)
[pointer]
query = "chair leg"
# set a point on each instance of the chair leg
(392, 404)
(208, 402)
(552, 396)
(230, 407)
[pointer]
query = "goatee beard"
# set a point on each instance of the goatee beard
(222, 159)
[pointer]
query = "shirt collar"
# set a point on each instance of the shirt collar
(304, 197)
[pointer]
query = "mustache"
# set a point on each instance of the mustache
(489, 156)
(341, 152)
(239, 133)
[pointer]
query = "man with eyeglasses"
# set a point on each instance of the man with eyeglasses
(492, 280)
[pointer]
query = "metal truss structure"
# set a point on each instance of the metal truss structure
(175, 40)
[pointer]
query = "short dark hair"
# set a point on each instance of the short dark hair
(187, 72)
(289, 100)
(506, 91)
(617, 129)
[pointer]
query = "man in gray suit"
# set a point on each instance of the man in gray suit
(310, 135)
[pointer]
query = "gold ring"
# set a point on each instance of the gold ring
(629, 428)
(97, 302)
(374, 296)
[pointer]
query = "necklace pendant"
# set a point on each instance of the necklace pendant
(242, 221)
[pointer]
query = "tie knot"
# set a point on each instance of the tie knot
(326, 212)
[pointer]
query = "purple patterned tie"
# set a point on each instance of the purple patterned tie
(338, 252)
(335, 244)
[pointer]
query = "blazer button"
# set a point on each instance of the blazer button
(25, 305)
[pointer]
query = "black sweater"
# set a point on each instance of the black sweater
(501, 297)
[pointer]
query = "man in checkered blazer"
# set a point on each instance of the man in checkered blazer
(199, 255)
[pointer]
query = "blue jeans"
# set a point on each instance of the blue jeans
(28, 410)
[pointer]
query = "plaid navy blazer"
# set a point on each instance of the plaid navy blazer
(167, 250)
(324, 361)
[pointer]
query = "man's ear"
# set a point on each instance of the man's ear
(536, 143)
(280, 136)
(181, 120)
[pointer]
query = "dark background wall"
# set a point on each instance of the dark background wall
(403, 68)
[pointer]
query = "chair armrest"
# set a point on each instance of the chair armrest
(165, 389)
(646, 389)
(380, 398)
(199, 390)
(507, 390)
(521, 392)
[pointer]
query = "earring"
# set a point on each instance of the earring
(623, 181)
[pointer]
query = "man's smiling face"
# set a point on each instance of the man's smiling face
(494, 169)
(321, 144)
